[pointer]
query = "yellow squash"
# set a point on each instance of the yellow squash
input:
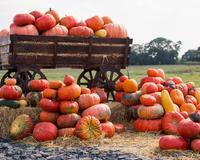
(197, 95)
(167, 102)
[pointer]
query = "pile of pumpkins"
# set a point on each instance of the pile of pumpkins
(50, 24)
(170, 106)
(67, 109)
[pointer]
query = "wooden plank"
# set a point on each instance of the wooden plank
(4, 40)
(4, 49)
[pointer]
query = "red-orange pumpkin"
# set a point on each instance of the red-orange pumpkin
(101, 93)
(173, 142)
(95, 23)
(11, 92)
(118, 96)
(157, 95)
(45, 22)
(191, 99)
(54, 14)
(49, 105)
(195, 145)
(68, 120)
(119, 128)
(88, 100)
(148, 125)
(108, 128)
(24, 30)
(149, 87)
(81, 31)
(156, 80)
(170, 122)
(88, 127)
(130, 85)
(177, 97)
(107, 20)
(4, 33)
(151, 72)
(38, 84)
(45, 131)
(115, 31)
(129, 99)
(123, 78)
(66, 132)
(85, 91)
(55, 84)
(101, 111)
(67, 107)
(11, 81)
(46, 116)
(147, 100)
(36, 14)
(119, 86)
(50, 93)
(58, 30)
(81, 23)
(23, 19)
(68, 80)
(69, 22)
(177, 80)
(69, 92)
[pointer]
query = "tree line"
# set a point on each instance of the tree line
(160, 51)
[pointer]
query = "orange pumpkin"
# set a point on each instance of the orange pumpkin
(107, 20)
(177, 97)
(68, 80)
(130, 85)
(58, 30)
(149, 87)
(119, 128)
(67, 107)
(95, 23)
(191, 99)
(66, 132)
(188, 107)
(115, 31)
(55, 84)
(36, 14)
(152, 72)
(108, 128)
(119, 86)
(49, 105)
(81, 31)
(11, 81)
(157, 96)
(38, 84)
(23, 19)
(161, 73)
(177, 80)
(24, 30)
(150, 112)
(147, 100)
(68, 120)
(85, 91)
(69, 22)
(46, 116)
(54, 14)
(50, 93)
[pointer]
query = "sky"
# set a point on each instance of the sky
(145, 20)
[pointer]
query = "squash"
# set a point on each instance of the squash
(68, 120)
(150, 112)
(38, 85)
(36, 14)
(129, 99)
(54, 14)
(107, 20)
(108, 128)
(57, 30)
(151, 72)
(188, 107)
(167, 102)
(147, 100)
(46, 116)
(195, 145)
(95, 23)
(130, 86)
(81, 31)
(50, 93)
(177, 97)
(10, 81)
(195, 116)
(66, 132)
(69, 22)
(68, 80)
(11, 92)
(149, 87)
(119, 128)
(29, 29)
(9, 103)
(23, 19)
(55, 84)
(49, 105)
(33, 98)
(197, 95)
(101, 33)
(67, 107)
(101, 93)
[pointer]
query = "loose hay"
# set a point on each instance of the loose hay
(7, 115)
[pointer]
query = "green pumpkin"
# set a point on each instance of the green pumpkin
(33, 98)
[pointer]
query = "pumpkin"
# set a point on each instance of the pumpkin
(46, 116)
(195, 145)
(69, 92)
(49, 105)
(10, 81)
(38, 84)
(68, 80)
(177, 80)
(184, 114)
(50, 93)
(115, 31)
(170, 122)
(198, 107)
(147, 125)
(69, 22)
(152, 72)
(149, 87)
(119, 86)
(195, 116)
(173, 142)
(66, 132)
(161, 73)
(107, 20)
(23, 19)
(57, 30)
(81, 31)
(167, 102)
(177, 97)
(188, 107)
(67, 107)
(4, 33)
(21, 127)
(88, 100)
(85, 91)
(45, 22)
(150, 112)
(101, 33)
(118, 96)
(81, 23)
(45, 131)
(11, 92)
(188, 129)
(160, 87)
(147, 100)
(101, 111)
(119, 128)
(36, 14)
(129, 99)
(123, 78)
(55, 84)
(190, 85)
(68, 120)
(157, 96)
(108, 128)
(24, 30)
(131, 112)
(88, 127)
(33, 98)
(54, 14)
(101, 93)
(130, 86)
(183, 87)
(156, 80)
(191, 99)
(95, 23)
(197, 95)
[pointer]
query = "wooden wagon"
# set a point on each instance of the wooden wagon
(100, 58)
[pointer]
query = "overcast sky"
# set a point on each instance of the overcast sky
(144, 19)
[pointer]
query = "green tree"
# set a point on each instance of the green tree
(191, 55)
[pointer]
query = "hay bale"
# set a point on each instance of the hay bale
(8, 115)
(118, 112)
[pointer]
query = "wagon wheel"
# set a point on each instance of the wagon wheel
(86, 78)
(8, 74)
(106, 79)
(24, 75)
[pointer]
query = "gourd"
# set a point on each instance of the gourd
(9, 103)
(167, 102)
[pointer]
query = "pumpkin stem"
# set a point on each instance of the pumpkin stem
(50, 9)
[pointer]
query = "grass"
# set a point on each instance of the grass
(186, 72)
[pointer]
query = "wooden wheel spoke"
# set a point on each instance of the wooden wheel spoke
(116, 78)
(111, 75)
(83, 83)
(33, 75)
(108, 93)
(86, 78)
(90, 73)
(113, 96)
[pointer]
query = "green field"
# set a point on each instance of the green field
(186, 72)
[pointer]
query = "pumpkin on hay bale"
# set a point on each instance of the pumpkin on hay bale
(8, 115)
